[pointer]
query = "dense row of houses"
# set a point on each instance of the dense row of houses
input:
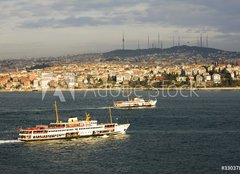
(103, 75)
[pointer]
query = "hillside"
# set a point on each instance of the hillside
(177, 50)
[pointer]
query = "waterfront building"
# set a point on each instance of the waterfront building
(216, 78)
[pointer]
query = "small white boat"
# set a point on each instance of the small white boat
(136, 102)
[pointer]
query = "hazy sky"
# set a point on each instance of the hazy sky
(59, 27)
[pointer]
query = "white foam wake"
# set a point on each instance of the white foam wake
(96, 108)
(105, 136)
(9, 141)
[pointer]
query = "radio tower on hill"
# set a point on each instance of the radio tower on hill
(123, 42)
(201, 40)
(207, 41)
(179, 41)
(173, 41)
(148, 42)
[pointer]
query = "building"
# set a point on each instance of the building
(25, 82)
(181, 79)
(216, 78)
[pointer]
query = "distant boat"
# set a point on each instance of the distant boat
(73, 128)
(136, 102)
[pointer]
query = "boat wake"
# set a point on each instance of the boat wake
(87, 108)
(9, 141)
(105, 136)
(97, 108)
(49, 110)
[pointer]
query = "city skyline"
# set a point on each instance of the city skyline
(54, 28)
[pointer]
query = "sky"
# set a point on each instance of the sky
(36, 28)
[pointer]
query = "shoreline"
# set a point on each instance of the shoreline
(132, 89)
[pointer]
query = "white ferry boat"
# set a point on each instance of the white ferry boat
(136, 102)
(74, 128)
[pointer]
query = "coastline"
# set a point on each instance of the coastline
(131, 89)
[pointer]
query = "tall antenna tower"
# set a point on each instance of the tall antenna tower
(148, 41)
(158, 40)
(207, 41)
(201, 40)
(123, 42)
(173, 41)
(179, 43)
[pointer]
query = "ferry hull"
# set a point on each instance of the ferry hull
(118, 129)
(73, 128)
(132, 104)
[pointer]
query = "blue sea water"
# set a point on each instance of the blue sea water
(197, 134)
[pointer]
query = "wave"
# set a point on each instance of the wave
(9, 141)
(50, 110)
(94, 108)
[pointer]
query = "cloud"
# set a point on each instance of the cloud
(224, 16)
(70, 22)
(50, 22)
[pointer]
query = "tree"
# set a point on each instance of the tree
(170, 76)
(100, 81)
(206, 67)
(226, 78)
(182, 72)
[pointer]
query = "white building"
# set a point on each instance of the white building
(119, 78)
(216, 78)
(181, 79)
(36, 83)
(46, 78)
